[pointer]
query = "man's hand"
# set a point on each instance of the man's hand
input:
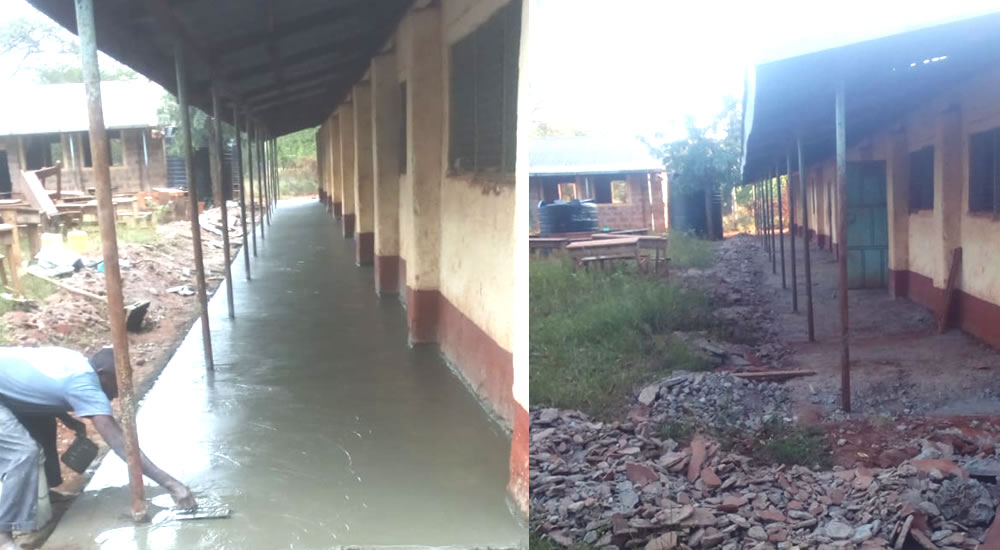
(109, 429)
(182, 496)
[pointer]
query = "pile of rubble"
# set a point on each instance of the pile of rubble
(75, 315)
(734, 285)
(716, 400)
(612, 485)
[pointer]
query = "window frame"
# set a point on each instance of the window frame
(993, 134)
(466, 154)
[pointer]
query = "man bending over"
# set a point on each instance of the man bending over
(52, 381)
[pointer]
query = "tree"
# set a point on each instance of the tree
(38, 45)
(708, 159)
(24, 38)
(63, 74)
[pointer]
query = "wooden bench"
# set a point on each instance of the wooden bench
(25, 219)
(603, 251)
(653, 244)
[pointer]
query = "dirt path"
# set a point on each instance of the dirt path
(900, 365)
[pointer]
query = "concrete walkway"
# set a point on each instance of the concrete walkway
(319, 427)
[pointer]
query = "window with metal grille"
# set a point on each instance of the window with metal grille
(922, 179)
(984, 179)
(483, 103)
(404, 157)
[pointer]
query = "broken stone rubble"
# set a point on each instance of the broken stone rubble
(716, 400)
(616, 485)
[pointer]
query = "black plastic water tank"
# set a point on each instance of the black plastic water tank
(567, 217)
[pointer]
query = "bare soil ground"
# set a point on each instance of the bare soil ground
(152, 265)
(906, 379)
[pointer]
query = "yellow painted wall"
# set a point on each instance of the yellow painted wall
(477, 254)
(932, 234)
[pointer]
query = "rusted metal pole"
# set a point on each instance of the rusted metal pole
(243, 188)
(261, 175)
(845, 351)
(223, 207)
(791, 231)
(753, 206)
(770, 222)
(277, 171)
(270, 178)
(199, 263)
(253, 202)
(767, 226)
(805, 241)
(781, 227)
(109, 248)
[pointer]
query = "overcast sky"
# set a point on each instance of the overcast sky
(638, 67)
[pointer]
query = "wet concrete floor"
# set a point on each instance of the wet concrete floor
(320, 427)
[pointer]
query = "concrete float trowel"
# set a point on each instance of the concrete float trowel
(82, 452)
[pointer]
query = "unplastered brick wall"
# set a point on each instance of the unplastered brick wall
(621, 216)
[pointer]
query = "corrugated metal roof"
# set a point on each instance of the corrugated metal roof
(561, 155)
(883, 79)
(53, 108)
(290, 62)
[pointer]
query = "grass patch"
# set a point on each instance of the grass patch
(596, 336)
(681, 431)
(537, 542)
(780, 443)
(687, 251)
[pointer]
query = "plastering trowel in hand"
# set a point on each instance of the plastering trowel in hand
(208, 508)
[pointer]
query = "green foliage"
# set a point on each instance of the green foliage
(296, 146)
(708, 158)
(689, 251)
(169, 115)
(64, 74)
(595, 336)
(782, 443)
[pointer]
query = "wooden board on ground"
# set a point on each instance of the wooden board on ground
(773, 375)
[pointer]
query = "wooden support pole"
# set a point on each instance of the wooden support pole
(243, 188)
(199, 263)
(845, 352)
(781, 227)
(223, 207)
(253, 202)
(791, 231)
(109, 248)
(770, 223)
(805, 241)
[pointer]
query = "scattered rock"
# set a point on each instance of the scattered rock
(838, 530)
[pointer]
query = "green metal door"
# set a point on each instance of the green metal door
(867, 226)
